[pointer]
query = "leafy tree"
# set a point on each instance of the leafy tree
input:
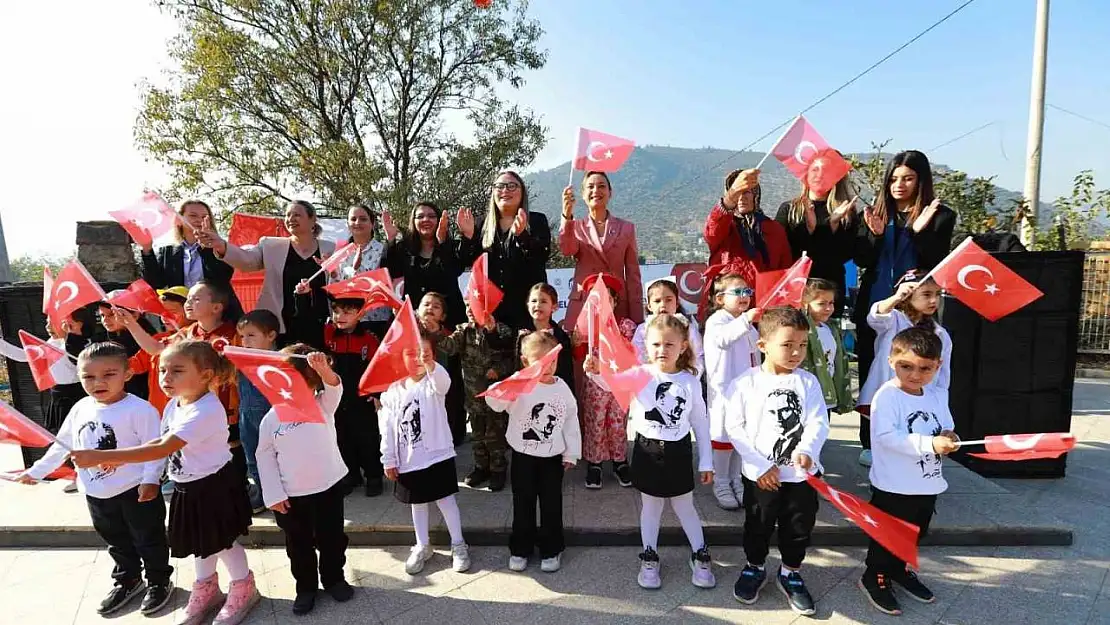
(28, 268)
(1081, 215)
(867, 175)
(341, 101)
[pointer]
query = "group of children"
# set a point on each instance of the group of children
(771, 380)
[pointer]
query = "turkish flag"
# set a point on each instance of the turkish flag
(41, 356)
(898, 536)
(18, 429)
(783, 288)
(248, 229)
(598, 151)
(524, 381)
(282, 385)
(337, 257)
(73, 288)
(586, 326)
(982, 283)
(141, 297)
(64, 472)
(810, 158)
(388, 364)
(47, 288)
(147, 219)
(1027, 446)
(482, 295)
(618, 363)
(374, 286)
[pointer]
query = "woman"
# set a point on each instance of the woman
(907, 229)
(518, 242)
(362, 223)
(600, 243)
(426, 259)
(287, 261)
(738, 231)
(823, 225)
(187, 262)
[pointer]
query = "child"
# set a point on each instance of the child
(351, 344)
(730, 349)
(126, 508)
(545, 440)
(662, 297)
(209, 508)
(911, 429)
(914, 303)
(664, 414)
(75, 335)
(117, 333)
(418, 455)
(775, 417)
(542, 302)
(173, 299)
(604, 422)
(302, 482)
(431, 314)
(825, 354)
(257, 329)
(486, 355)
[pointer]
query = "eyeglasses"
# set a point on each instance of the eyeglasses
(740, 292)
(506, 186)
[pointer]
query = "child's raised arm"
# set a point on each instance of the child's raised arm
(148, 343)
(154, 450)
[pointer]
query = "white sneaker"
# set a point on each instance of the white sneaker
(649, 570)
(417, 557)
(726, 499)
(517, 563)
(70, 487)
(865, 457)
(552, 564)
(460, 558)
(738, 491)
(701, 569)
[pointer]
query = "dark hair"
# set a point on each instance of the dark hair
(547, 290)
(301, 365)
(370, 214)
(919, 163)
(411, 239)
(104, 350)
(220, 294)
(437, 296)
(670, 286)
(818, 285)
(205, 357)
(347, 303)
(918, 341)
(664, 321)
(86, 316)
(604, 175)
(262, 319)
(538, 339)
(906, 306)
(782, 317)
(309, 210)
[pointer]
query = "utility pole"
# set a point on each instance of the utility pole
(5, 266)
(1035, 138)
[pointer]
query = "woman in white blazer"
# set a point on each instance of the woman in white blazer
(302, 318)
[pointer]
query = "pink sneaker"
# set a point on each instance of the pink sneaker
(205, 598)
(241, 597)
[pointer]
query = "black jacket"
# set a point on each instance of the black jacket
(516, 263)
(350, 354)
(828, 250)
(440, 273)
(164, 267)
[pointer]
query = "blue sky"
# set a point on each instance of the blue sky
(691, 74)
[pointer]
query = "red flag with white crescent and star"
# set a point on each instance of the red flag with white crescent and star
(281, 384)
(374, 287)
(73, 288)
(337, 257)
(598, 151)
(47, 288)
(147, 219)
(40, 356)
(482, 295)
(142, 297)
(984, 284)
(388, 364)
(810, 158)
(524, 381)
(783, 288)
(18, 429)
(1027, 446)
(898, 536)
(617, 361)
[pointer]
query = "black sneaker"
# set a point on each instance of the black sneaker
(913, 586)
(747, 587)
(476, 478)
(120, 595)
(794, 587)
(497, 481)
(623, 473)
(304, 602)
(156, 598)
(877, 589)
(341, 591)
(374, 487)
(593, 476)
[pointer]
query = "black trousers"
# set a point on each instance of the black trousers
(136, 535)
(865, 355)
(916, 509)
(315, 523)
(359, 443)
(456, 402)
(537, 479)
(792, 508)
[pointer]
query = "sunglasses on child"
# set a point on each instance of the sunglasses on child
(740, 291)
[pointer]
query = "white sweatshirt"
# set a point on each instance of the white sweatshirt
(296, 459)
(669, 407)
(770, 418)
(413, 422)
(886, 328)
(902, 431)
(129, 422)
(730, 349)
(543, 423)
(639, 341)
(203, 426)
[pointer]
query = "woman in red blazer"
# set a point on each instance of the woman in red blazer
(737, 230)
(600, 243)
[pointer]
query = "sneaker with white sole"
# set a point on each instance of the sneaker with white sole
(701, 567)
(865, 457)
(417, 558)
(552, 564)
(726, 499)
(517, 563)
(460, 558)
(649, 570)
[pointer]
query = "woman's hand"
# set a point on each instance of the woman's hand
(875, 223)
(926, 215)
(842, 212)
(520, 222)
(745, 181)
(464, 219)
(208, 237)
(441, 229)
(810, 218)
(302, 288)
(388, 228)
(568, 203)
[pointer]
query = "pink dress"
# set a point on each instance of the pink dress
(604, 422)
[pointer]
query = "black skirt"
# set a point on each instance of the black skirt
(663, 468)
(207, 515)
(59, 401)
(427, 485)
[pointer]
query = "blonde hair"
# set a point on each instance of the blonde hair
(664, 321)
(205, 358)
(493, 216)
(537, 342)
(840, 195)
(179, 227)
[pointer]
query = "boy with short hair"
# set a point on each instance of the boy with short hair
(257, 329)
(911, 432)
(775, 417)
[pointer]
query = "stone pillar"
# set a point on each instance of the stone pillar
(104, 248)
